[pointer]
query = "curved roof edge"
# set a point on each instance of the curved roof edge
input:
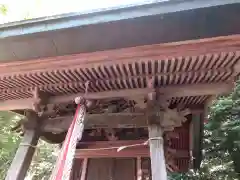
(72, 20)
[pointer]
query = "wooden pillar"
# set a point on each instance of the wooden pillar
(84, 169)
(158, 165)
(155, 115)
(23, 157)
(198, 126)
(139, 168)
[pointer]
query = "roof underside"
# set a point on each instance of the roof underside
(118, 57)
(118, 50)
(188, 72)
(155, 23)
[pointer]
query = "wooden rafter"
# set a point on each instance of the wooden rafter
(124, 77)
(159, 51)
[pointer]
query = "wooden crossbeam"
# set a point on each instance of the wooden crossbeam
(114, 120)
(168, 91)
(108, 149)
(110, 120)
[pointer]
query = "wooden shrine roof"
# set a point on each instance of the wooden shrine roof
(121, 27)
(187, 72)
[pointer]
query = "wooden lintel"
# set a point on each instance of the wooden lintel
(168, 91)
(103, 149)
(110, 120)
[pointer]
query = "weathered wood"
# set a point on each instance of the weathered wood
(156, 51)
(109, 120)
(23, 157)
(111, 169)
(158, 164)
(168, 91)
(198, 123)
(191, 141)
(84, 169)
(156, 143)
(100, 149)
(109, 149)
(139, 168)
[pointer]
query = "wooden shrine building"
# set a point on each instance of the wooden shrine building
(152, 69)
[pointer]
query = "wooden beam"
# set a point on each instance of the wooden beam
(158, 164)
(23, 157)
(197, 139)
(84, 169)
(156, 142)
(139, 168)
(237, 69)
(168, 91)
(109, 120)
(124, 77)
(111, 153)
(20, 104)
(108, 149)
(156, 51)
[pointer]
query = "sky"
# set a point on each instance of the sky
(20, 9)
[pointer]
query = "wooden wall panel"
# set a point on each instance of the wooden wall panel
(77, 169)
(124, 169)
(110, 169)
(99, 169)
(146, 169)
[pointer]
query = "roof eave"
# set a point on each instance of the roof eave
(73, 20)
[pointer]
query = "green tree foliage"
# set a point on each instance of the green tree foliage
(9, 141)
(43, 161)
(3, 9)
(221, 141)
(44, 157)
(221, 145)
